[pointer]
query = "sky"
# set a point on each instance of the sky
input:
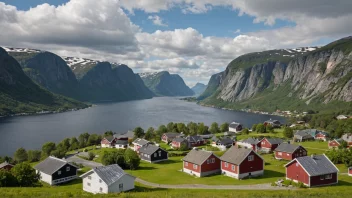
(193, 38)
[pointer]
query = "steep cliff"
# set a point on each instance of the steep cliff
(269, 80)
(199, 88)
(106, 82)
(166, 84)
(19, 94)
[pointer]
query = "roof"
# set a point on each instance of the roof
(235, 155)
(5, 164)
(272, 121)
(129, 134)
(195, 138)
(234, 125)
(347, 137)
(140, 141)
(288, 148)
(179, 139)
(274, 140)
(50, 165)
(225, 141)
(109, 174)
(110, 138)
(316, 165)
(214, 139)
(171, 134)
(250, 141)
(149, 149)
(305, 133)
(197, 156)
(121, 141)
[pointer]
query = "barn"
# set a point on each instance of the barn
(289, 151)
(312, 171)
(201, 163)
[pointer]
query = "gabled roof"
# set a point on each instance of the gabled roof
(171, 134)
(50, 165)
(140, 141)
(194, 138)
(316, 165)
(288, 148)
(179, 139)
(124, 142)
(214, 139)
(129, 134)
(250, 141)
(274, 140)
(226, 141)
(234, 125)
(109, 174)
(337, 140)
(235, 155)
(305, 133)
(2, 165)
(347, 137)
(109, 138)
(272, 121)
(197, 156)
(149, 149)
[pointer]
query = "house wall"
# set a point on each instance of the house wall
(251, 166)
(229, 167)
(160, 155)
(205, 167)
(295, 172)
(320, 136)
(300, 152)
(350, 171)
(164, 138)
(316, 180)
(333, 144)
(7, 167)
(45, 177)
(94, 184)
(176, 144)
(188, 168)
(105, 143)
(127, 182)
(64, 172)
(195, 144)
(120, 146)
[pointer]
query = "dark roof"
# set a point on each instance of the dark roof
(171, 134)
(5, 164)
(316, 165)
(304, 133)
(125, 142)
(197, 156)
(235, 155)
(195, 138)
(250, 141)
(140, 141)
(149, 149)
(274, 140)
(129, 134)
(288, 148)
(234, 125)
(214, 138)
(109, 174)
(50, 165)
(226, 141)
(179, 139)
(110, 138)
(272, 121)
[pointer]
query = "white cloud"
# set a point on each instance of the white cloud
(157, 20)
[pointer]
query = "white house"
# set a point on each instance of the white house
(235, 127)
(107, 179)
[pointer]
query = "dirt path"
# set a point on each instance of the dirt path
(219, 187)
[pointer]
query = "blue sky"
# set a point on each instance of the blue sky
(192, 38)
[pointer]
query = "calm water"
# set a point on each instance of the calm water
(31, 132)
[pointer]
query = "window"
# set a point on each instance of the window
(213, 160)
(297, 164)
(121, 187)
(322, 177)
(304, 153)
(67, 168)
(89, 177)
(279, 153)
(101, 189)
(208, 161)
(226, 164)
(159, 153)
(263, 143)
(195, 166)
(155, 154)
(186, 163)
(250, 158)
(233, 167)
(288, 154)
(100, 181)
(328, 176)
(88, 184)
(59, 172)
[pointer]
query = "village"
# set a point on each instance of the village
(228, 158)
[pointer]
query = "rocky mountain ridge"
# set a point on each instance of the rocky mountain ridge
(199, 88)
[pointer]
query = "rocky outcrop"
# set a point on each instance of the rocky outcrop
(214, 83)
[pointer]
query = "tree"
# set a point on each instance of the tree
(25, 175)
(93, 139)
(254, 127)
(171, 127)
(343, 144)
(83, 139)
(245, 131)
(91, 156)
(74, 143)
(66, 144)
(183, 147)
(260, 128)
(214, 128)
(138, 132)
(7, 179)
(21, 155)
(149, 134)
(60, 152)
(192, 128)
(114, 157)
(34, 155)
(288, 132)
(181, 127)
(108, 134)
(224, 127)
(132, 159)
(269, 128)
(202, 129)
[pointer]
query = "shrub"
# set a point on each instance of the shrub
(91, 156)
(287, 182)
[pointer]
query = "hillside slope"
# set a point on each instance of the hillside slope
(166, 84)
(19, 94)
(199, 88)
(270, 80)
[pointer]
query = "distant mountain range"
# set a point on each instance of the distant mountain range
(286, 79)
(166, 84)
(199, 88)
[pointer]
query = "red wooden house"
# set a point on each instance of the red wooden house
(241, 162)
(108, 142)
(350, 171)
(6, 166)
(312, 171)
(289, 151)
(177, 142)
(168, 137)
(268, 145)
(194, 141)
(201, 163)
(335, 143)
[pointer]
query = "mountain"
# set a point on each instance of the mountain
(292, 79)
(199, 88)
(166, 84)
(80, 78)
(107, 82)
(19, 94)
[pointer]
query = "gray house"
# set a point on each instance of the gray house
(302, 136)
